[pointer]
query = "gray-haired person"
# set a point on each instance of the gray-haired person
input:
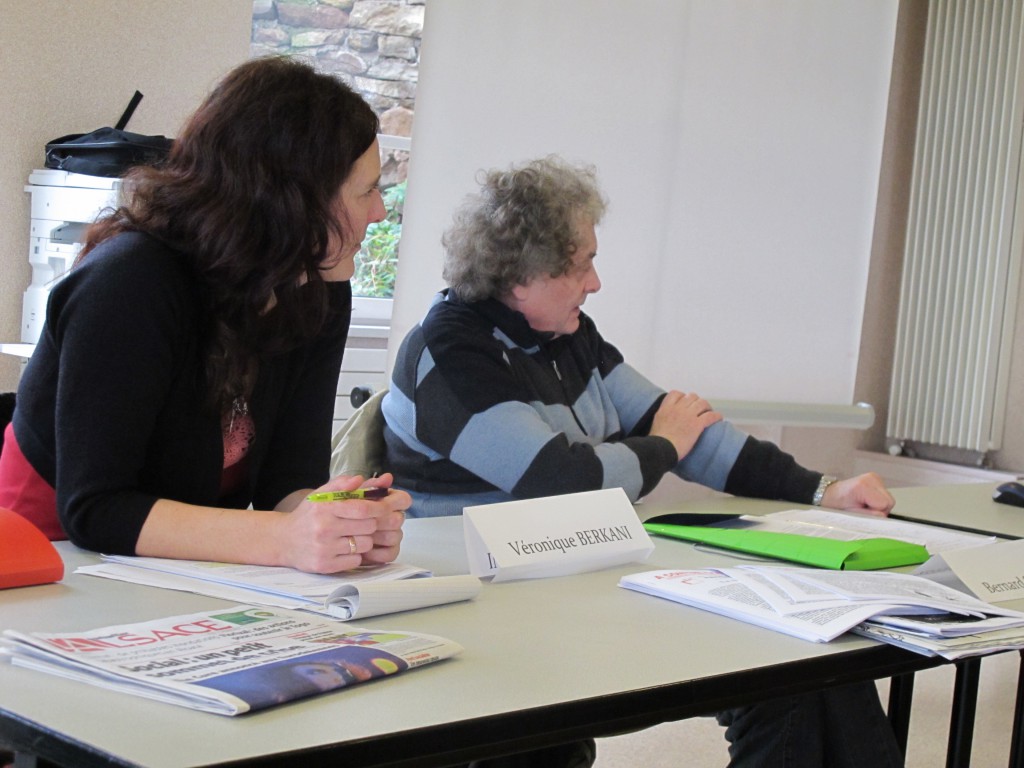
(506, 390)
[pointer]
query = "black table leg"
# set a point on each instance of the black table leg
(965, 704)
(901, 693)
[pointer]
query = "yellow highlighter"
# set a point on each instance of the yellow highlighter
(358, 493)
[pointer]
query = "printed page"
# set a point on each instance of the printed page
(817, 604)
(884, 586)
(350, 600)
(950, 648)
(719, 592)
(279, 580)
(850, 527)
(359, 601)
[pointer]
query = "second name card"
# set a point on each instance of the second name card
(554, 535)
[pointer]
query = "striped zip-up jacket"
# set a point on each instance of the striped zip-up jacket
(483, 409)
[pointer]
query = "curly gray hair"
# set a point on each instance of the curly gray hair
(523, 223)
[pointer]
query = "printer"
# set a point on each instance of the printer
(63, 205)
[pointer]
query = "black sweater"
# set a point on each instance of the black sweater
(110, 409)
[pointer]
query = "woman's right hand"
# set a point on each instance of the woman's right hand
(681, 419)
(333, 536)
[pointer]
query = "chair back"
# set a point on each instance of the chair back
(358, 447)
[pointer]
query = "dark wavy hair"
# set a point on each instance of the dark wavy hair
(246, 195)
(522, 223)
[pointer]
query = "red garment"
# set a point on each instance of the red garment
(25, 492)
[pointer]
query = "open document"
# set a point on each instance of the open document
(850, 526)
(821, 605)
(228, 661)
(363, 592)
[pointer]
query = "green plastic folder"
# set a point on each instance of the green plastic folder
(860, 555)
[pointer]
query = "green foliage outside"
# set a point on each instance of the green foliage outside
(377, 261)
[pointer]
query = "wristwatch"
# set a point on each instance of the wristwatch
(823, 484)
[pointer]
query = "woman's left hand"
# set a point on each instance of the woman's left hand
(333, 536)
(387, 539)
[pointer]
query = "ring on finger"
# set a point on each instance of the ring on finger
(351, 545)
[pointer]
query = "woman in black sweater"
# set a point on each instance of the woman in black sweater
(179, 401)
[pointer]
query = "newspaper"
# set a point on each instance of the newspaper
(228, 661)
(357, 594)
(814, 604)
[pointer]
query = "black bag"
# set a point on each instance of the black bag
(107, 151)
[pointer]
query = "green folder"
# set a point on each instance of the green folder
(859, 555)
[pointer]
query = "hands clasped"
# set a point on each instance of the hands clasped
(332, 536)
(681, 419)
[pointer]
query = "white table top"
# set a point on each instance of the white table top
(545, 661)
(969, 507)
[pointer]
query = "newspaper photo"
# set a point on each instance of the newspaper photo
(229, 661)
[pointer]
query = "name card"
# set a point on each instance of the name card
(554, 535)
(993, 572)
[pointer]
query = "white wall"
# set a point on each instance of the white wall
(739, 144)
(71, 67)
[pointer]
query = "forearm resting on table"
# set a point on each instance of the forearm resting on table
(185, 531)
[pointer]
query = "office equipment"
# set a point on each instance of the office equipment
(358, 493)
(62, 206)
(1009, 493)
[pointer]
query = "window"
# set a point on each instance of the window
(374, 47)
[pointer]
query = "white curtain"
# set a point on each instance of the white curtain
(739, 144)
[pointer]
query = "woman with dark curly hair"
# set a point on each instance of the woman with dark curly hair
(180, 400)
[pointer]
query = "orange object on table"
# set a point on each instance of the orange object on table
(27, 557)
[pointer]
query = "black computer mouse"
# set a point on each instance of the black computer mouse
(1010, 493)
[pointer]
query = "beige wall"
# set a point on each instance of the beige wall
(71, 67)
(832, 450)
(82, 77)
(874, 369)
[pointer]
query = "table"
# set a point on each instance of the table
(546, 661)
(967, 507)
(970, 508)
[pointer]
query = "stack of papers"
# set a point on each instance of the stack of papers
(817, 605)
(367, 591)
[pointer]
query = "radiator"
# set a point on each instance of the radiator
(962, 258)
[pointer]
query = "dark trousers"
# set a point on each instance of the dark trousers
(842, 727)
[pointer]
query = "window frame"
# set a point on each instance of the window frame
(372, 311)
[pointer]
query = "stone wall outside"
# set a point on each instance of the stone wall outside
(373, 45)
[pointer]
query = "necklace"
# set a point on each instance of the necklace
(239, 408)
